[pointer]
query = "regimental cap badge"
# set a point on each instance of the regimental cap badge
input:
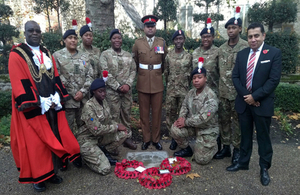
(237, 14)
(149, 19)
(200, 63)
(179, 32)
(208, 25)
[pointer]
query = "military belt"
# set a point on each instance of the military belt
(150, 66)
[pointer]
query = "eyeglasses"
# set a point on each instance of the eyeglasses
(31, 30)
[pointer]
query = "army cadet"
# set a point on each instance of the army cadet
(210, 54)
(76, 74)
(99, 135)
(198, 116)
(121, 73)
(177, 75)
(86, 33)
(149, 54)
(228, 119)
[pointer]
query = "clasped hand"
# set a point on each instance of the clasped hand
(179, 122)
(249, 100)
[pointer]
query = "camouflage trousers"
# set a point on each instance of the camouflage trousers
(228, 123)
(173, 105)
(74, 115)
(205, 146)
(93, 156)
(120, 106)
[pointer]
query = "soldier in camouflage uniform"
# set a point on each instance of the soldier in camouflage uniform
(86, 33)
(76, 74)
(210, 54)
(99, 135)
(228, 119)
(198, 117)
(121, 73)
(178, 67)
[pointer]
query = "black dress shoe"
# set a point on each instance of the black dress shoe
(55, 179)
(111, 160)
(77, 162)
(225, 152)
(235, 156)
(237, 167)
(129, 144)
(64, 166)
(173, 145)
(157, 145)
(39, 187)
(186, 152)
(145, 145)
(264, 177)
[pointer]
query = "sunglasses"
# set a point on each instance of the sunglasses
(31, 30)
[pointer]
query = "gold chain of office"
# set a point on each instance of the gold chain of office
(37, 75)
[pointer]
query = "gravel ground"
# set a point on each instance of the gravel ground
(214, 179)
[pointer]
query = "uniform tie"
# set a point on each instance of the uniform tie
(250, 68)
(150, 42)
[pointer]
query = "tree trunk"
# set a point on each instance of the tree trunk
(165, 24)
(48, 16)
(101, 13)
(58, 16)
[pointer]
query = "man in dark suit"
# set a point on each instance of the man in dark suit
(255, 76)
(149, 53)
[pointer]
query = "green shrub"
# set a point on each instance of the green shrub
(287, 97)
(5, 103)
(5, 125)
(52, 41)
(288, 43)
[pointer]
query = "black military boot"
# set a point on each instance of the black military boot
(235, 156)
(219, 146)
(173, 145)
(111, 160)
(225, 152)
(186, 152)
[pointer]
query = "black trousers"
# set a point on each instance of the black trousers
(262, 125)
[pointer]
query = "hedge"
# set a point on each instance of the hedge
(287, 97)
(5, 103)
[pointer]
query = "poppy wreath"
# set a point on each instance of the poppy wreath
(179, 167)
(121, 172)
(152, 179)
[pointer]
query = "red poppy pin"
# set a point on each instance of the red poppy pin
(265, 51)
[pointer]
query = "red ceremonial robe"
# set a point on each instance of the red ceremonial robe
(32, 139)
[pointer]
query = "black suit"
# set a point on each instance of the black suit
(265, 79)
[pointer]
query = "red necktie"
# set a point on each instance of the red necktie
(250, 68)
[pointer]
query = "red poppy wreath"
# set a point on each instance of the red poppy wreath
(152, 179)
(121, 169)
(178, 167)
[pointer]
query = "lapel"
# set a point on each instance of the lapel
(146, 42)
(245, 61)
(262, 57)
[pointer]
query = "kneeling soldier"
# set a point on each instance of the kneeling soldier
(100, 136)
(198, 117)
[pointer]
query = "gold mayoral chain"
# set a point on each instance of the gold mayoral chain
(37, 74)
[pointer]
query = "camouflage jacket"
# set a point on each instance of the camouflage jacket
(94, 56)
(210, 64)
(120, 67)
(200, 111)
(75, 73)
(227, 56)
(97, 120)
(178, 68)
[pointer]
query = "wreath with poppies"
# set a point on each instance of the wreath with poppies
(121, 169)
(178, 167)
(152, 179)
